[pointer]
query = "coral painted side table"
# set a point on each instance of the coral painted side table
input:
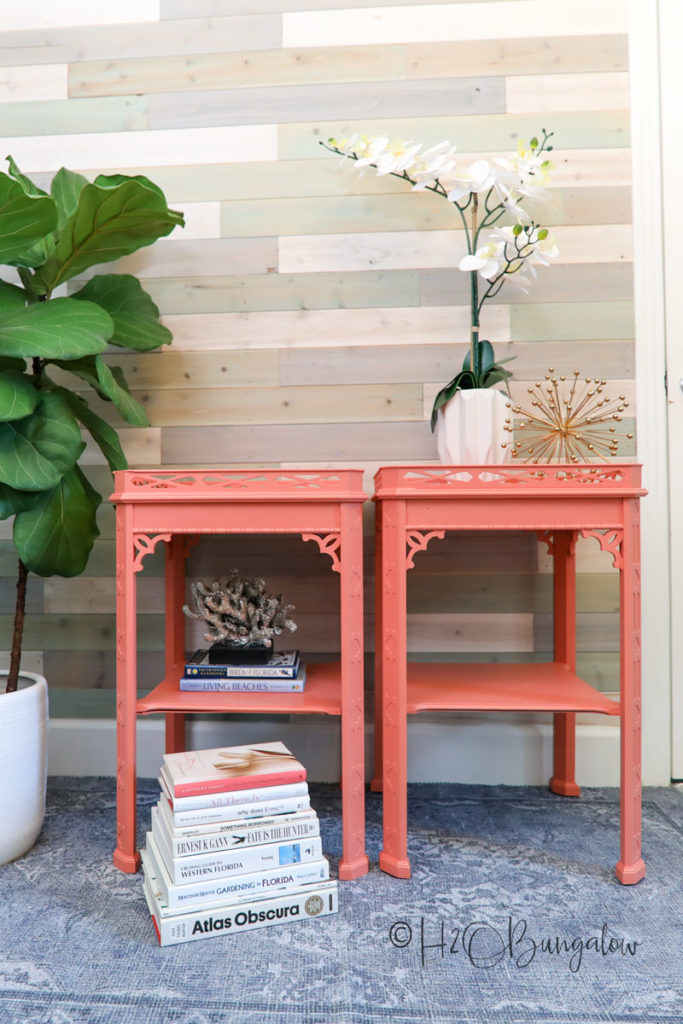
(177, 507)
(416, 504)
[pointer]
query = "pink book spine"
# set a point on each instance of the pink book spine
(239, 782)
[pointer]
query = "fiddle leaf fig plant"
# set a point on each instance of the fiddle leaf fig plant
(51, 238)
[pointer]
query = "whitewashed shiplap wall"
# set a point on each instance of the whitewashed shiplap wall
(316, 312)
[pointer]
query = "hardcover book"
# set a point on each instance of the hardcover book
(206, 892)
(231, 862)
(245, 684)
(236, 797)
(280, 665)
(298, 905)
(224, 769)
(213, 837)
(240, 812)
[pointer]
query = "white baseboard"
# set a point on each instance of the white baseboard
(486, 752)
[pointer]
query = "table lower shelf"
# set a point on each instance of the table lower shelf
(321, 696)
(546, 686)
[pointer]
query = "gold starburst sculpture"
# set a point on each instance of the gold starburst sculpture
(570, 421)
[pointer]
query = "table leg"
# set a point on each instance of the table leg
(126, 857)
(175, 633)
(354, 860)
(393, 857)
(564, 725)
(630, 867)
(376, 784)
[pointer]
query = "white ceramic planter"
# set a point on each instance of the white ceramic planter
(23, 764)
(470, 428)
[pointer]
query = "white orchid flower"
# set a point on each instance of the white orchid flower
(369, 149)
(397, 157)
(433, 164)
(487, 261)
(480, 177)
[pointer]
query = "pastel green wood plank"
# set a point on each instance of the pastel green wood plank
(297, 405)
(471, 133)
(205, 71)
(188, 259)
(604, 282)
(297, 442)
(572, 321)
(295, 103)
(438, 363)
(147, 39)
(62, 117)
(600, 205)
(493, 593)
(595, 631)
(518, 56)
(284, 291)
(84, 632)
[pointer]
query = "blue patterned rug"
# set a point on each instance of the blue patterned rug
(512, 915)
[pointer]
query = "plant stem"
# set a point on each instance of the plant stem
(474, 300)
(17, 635)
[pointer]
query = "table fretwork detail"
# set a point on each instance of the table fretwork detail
(417, 540)
(609, 540)
(329, 545)
(144, 545)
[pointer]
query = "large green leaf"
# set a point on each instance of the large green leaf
(110, 221)
(12, 501)
(29, 187)
(18, 397)
(24, 221)
(110, 384)
(135, 316)
(36, 451)
(66, 187)
(56, 536)
(101, 432)
(56, 329)
(11, 297)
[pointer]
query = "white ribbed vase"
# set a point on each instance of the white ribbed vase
(470, 428)
(23, 764)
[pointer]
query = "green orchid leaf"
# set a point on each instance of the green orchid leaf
(66, 187)
(101, 432)
(56, 536)
(11, 297)
(495, 375)
(464, 380)
(109, 222)
(57, 329)
(36, 451)
(12, 501)
(486, 356)
(24, 222)
(18, 396)
(135, 316)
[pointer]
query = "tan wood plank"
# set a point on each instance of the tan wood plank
(573, 321)
(491, 593)
(141, 446)
(523, 56)
(278, 292)
(606, 90)
(186, 259)
(470, 632)
(584, 282)
(171, 368)
(606, 243)
(326, 328)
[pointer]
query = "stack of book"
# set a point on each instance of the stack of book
(234, 845)
(284, 672)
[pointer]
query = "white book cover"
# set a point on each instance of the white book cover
(241, 812)
(232, 862)
(245, 684)
(236, 798)
(222, 769)
(231, 834)
(314, 901)
(212, 890)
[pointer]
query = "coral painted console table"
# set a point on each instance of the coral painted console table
(416, 504)
(177, 507)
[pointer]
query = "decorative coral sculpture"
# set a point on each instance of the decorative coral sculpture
(239, 612)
